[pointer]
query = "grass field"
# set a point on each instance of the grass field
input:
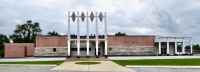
(35, 62)
(87, 63)
(171, 62)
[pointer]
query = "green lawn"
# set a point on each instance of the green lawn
(35, 62)
(87, 63)
(173, 62)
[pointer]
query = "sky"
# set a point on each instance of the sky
(180, 18)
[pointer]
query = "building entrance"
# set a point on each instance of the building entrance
(163, 51)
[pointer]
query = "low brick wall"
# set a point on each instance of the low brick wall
(15, 50)
(125, 50)
(43, 52)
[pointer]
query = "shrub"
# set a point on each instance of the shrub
(1, 53)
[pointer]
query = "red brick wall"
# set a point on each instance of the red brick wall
(140, 40)
(51, 41)
(18, 50)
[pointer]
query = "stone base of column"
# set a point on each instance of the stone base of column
(97, 56)
(88, 56)
(159, 54)
(68, 56)
(106, 56)
(78, 56)
(167, 54)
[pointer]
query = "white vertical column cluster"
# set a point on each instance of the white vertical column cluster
(96, 35)
(87, 26)
(175, 47)
(105, 36)
(183, 48)
(69, 37)
(159, 47)
(78, 36)
(191, 49)
(167, 47)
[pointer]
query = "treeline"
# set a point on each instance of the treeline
(23, 33)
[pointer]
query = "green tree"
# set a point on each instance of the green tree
(3, 40)
(179, 47)
(187, 47)
(120, 34)
(53, 33)
(26, 33)
(196, 47)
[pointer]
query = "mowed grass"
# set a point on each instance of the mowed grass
(35, 62)
(87, 63)
(171, 62)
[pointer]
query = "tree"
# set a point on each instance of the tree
(179, 48)
(196, 47)
(187, 47)
(120, 34)
(3, 40)
(53, 33)
(26, 33)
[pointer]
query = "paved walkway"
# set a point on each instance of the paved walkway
(104, 66)
(150, 57)
(31, 59)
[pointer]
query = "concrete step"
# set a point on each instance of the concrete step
(87, 59)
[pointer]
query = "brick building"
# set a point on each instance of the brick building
(142, 45)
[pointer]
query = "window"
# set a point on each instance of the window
(85, 49)
(75, 49)
(90, 49)
(54, 49)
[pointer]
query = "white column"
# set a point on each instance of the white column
(183, 48)
(78, 36)
(191, 49)
(96, 35)
(167, 47)
(87, 26)
(105, 36)
(159, 47)
(175, 47)
(68, 34)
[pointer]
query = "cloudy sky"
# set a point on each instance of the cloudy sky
(134, 17)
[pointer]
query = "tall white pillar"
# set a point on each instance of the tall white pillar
(191, 49)
(68, 34)
(87, 26)
(78, 36)
(167, 47)
(159, 48)
(96, 36)
(183, 48)
(105, 37)
(175, 47)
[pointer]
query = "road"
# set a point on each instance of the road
(23, 68)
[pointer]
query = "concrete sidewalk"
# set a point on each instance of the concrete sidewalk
(104, 66)
(150, 57)
(137, 66)
(31, 59)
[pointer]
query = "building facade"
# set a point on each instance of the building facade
(131, 45)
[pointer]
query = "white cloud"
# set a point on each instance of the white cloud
(155, 17)
(142, 30)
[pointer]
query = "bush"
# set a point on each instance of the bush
(1, 53)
